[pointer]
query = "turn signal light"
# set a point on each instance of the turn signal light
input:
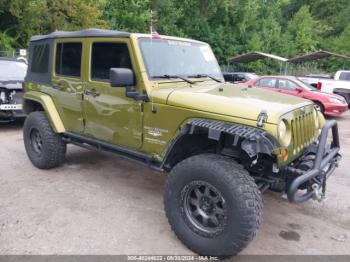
(284, 154)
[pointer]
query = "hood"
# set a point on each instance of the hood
(12, 84)
(12, 70)
(234, 100)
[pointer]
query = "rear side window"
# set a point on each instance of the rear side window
(68, 59)
(345, 76)
(266, 82)
(40, 60)
(108, 55)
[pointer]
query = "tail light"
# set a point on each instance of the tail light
(319, 85)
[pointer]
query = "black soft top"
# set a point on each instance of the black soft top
(91, 32)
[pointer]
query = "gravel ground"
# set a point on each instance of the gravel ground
(99, 204)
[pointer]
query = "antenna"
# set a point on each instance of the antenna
(153, 109)
(151, 28)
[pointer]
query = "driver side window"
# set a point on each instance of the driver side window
(286, 84)
(266, 82)
(108, 55)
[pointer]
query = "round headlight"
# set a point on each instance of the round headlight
(282, 129)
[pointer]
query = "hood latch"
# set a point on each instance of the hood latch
(262, 118)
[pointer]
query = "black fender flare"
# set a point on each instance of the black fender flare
(254, 140)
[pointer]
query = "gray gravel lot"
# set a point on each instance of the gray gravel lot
(99, 204)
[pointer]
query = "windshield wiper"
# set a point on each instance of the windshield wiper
(205, 75)
(175, 76)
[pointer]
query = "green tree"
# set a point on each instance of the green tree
(231, 27)
(20, 19)
(73, 14)
(303, 30)
(128, 15)
(166, 17)
(341, 43)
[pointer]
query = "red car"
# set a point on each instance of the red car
(330, 104)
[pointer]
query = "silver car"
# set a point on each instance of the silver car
(12, 74)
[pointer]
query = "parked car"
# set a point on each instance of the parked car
(12, 73)
(222, 146)
(339, 85)
(238, 77)
(342, 75)
(329, 104)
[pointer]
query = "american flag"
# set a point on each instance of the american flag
(154, 33)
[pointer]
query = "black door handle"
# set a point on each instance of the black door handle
(91, 92)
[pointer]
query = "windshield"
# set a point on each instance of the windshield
(172, 57)
(12, 70)
(306, 85)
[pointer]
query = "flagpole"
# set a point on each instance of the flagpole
(151, 28)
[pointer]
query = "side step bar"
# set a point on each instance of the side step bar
(98, 145)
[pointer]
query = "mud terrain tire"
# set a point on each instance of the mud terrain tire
(44, 147)
(241, 204)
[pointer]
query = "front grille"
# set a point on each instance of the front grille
(303, 131)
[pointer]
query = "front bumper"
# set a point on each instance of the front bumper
(326, 160)
(11, 105)
(335, 109)
(9, 113)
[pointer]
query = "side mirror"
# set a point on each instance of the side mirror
(319, 85)
(124, 77)
(121, 77)
(299, 89)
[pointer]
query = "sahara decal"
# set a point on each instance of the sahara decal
(154, 131)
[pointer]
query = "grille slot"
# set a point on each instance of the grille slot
(303, 131)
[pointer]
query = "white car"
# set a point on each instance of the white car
(342, 75)
(339, 85)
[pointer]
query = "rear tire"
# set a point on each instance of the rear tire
(44, 147)
(213, 205)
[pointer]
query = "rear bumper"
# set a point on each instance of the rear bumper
(335, 109)
(325, 162)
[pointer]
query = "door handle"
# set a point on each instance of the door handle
(91, 92)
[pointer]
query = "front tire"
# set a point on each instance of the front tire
(213, 205)
(44, 147)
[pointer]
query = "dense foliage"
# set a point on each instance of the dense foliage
(282, 27)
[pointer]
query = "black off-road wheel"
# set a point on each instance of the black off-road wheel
(213, 205)
(44, 147)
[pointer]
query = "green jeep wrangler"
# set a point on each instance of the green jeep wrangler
(163, 102)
